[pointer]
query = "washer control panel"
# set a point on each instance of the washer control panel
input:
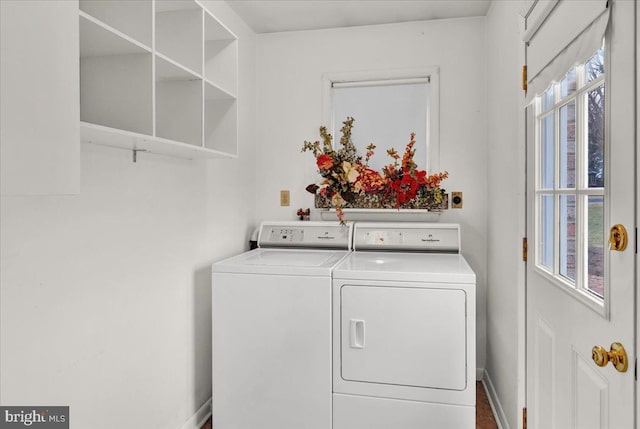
(305, 234)
(286, 235)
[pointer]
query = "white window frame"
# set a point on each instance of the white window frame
(381, 76)
(579, 288)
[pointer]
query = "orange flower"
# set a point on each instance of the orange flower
(433, 181)
(370, 181)
(407, 158)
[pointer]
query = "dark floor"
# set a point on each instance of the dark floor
(484, 415)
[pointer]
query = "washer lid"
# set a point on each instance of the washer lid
(402, 266)
(299, 262)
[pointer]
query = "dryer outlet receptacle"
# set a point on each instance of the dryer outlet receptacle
(456, 200)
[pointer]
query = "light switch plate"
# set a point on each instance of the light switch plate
(284, 198)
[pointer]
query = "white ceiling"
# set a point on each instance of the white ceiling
(269, 16)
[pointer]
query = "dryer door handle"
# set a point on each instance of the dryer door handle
(357, 333)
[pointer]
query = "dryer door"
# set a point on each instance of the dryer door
(404, 336)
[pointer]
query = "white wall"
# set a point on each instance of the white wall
(290, 67)
(105, 303)
(505, 164)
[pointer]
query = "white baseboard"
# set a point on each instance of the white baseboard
(200, 417)
(479, 374)
(496, 407)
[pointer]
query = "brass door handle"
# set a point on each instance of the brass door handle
(617, 356)
(618, 238)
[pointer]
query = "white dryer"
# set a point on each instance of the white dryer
(404, 330)
(271, 311)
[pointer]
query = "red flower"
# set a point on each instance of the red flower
(421, 176)
(324, 162)
(406, 183)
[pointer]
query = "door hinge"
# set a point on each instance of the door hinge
(524, 78)
(525, 249)
(524, 418)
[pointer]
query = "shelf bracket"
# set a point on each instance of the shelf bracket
(135, 153)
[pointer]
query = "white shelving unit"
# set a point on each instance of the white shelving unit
(158, 76)
(178, 103)
(220, 119)
(179, 32)
(220, 55)
(133, 18)
(116, 89)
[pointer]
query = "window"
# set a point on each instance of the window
(570, 179)
(387, 106)
(386, 114)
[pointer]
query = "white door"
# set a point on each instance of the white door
(580, 294)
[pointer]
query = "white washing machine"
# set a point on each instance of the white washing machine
(404, 330)
(271, 311)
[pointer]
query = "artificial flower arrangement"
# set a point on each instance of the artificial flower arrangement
(349, 182)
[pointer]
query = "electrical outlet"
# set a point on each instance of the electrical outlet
(456, 200)
(284, 198)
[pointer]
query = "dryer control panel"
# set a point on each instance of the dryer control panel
(407, 237)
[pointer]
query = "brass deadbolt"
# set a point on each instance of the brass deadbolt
(617, 355)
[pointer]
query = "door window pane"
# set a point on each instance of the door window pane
(568, 84)
(547, 98)
(595, 139)
(594, 68)
(547, 231)
(568, 145)
(548, 155)
(595, 245)
(568, 236)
